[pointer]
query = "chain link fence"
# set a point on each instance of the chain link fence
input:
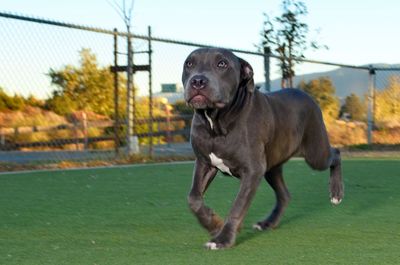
(367, 98)
(63, 95)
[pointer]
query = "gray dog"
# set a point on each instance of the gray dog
(248, 135)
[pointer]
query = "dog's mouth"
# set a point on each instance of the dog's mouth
(198, 98)
(200, 101)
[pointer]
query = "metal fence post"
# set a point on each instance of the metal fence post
(150, 96)
(267, 56)
(131, 139)
(2, 139)
(85, 131)
(129, 121)
(116, 95)
(370, 114)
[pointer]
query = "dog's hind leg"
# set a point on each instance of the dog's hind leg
(323, 158)
(275, 179)
(336, 187)
(203, 175)
(319, 155)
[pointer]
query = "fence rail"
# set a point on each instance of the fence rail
(60, 142)
(6, 144)
(97, 124)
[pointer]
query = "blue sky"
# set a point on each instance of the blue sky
(357, 32)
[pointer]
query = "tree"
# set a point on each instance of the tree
(323, 92)
(34, 102)
(86, 87)
(388, 102)
(60, 104)
(7, 102)
(89, 87)
(181, 108)
(354, 107)
(287, 35)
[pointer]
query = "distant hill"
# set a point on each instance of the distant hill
(348, 80)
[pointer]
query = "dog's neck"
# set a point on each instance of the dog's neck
(220, 119)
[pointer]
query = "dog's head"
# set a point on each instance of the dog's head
(212, 77)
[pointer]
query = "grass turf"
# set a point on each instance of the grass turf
(139, 215)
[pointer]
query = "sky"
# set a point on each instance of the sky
(357, 32)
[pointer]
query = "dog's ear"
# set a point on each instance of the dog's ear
(246, 75)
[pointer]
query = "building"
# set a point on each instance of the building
(171, 92)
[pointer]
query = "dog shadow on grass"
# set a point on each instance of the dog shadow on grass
(248, 234)
(296, 214)
(361, 200)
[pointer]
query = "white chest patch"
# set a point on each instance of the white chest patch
(209, 119)
(218, 163)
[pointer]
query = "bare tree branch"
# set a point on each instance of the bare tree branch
(117, 9)
(126, 15)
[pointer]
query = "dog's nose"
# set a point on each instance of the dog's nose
(198, 81)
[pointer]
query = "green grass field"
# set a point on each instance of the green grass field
(139, 215)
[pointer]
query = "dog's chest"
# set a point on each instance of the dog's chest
(219, 149)
(219, 163)
(216, 150)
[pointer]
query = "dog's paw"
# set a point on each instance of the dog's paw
(264, 225)
(335, 201)
(216, 246)
(211, 246)
(257, 227)
(336, 191)
(336, 196)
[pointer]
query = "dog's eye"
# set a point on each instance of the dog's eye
(188, 64)
(222, 64)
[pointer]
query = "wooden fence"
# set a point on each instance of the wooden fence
(164, 125)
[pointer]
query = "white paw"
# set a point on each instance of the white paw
(257, 227)
(335, 201)
(211, 245)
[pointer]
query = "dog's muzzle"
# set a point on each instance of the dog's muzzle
(197, 92)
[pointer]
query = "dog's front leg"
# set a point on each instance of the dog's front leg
(202, 176)
(227, 235)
